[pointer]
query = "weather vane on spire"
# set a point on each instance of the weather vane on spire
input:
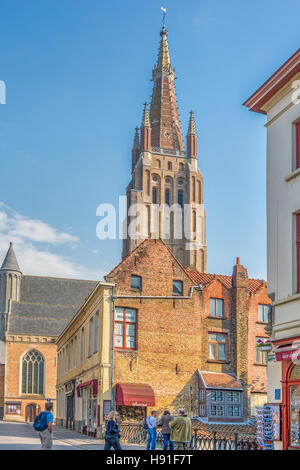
(164, 10)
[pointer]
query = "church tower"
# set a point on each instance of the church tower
(165, 195)
(10, 282)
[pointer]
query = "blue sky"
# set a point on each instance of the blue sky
(77, 74)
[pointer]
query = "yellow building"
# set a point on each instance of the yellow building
(84, 364)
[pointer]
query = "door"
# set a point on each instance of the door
(70, 411)
(31, 412)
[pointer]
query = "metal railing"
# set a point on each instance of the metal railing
(135, 434)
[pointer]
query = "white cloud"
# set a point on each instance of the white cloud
(32, 240)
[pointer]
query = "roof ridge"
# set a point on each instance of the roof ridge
(60, 278)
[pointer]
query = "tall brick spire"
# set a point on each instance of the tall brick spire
(165, 124)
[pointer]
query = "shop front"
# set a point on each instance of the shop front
(289, 356)
(88, 391)
(132, 401)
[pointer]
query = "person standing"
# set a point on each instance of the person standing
(166, 430)
(151, 425)
(181, 430)
(43, 423)
(112, 434)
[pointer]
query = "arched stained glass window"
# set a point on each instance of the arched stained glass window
(33, 373)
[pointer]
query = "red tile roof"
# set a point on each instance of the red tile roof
(220, 380)
(206, 279)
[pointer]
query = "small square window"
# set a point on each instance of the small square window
(178, 287)
(216, 308)
(136, 282)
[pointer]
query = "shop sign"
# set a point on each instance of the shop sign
(291, 355)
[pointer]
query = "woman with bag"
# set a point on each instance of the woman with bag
(112, 435)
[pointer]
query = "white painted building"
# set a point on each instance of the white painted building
(279, 99)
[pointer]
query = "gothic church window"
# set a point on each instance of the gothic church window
(33, 373)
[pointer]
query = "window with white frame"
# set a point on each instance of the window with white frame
(264, 312)
(125, 328)
(216, 307)
(217, 346)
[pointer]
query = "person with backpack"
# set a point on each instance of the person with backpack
(151, 424)
(112, 434)
(43, 423)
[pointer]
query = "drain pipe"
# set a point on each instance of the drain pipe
(171, 297)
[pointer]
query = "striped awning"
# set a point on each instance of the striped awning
(131, 394)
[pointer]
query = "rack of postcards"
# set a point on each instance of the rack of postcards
(265, 429)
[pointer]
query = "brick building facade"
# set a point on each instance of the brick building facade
(170, 323)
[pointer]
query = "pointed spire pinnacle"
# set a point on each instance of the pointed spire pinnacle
(192, 125)
(165, 123)
(10, 262)
(146, 118)
(136, 141)
(164, 61)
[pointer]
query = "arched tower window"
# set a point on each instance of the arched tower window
(148, 182)
(167, 196)
(180, 198)
(33, 366)
(199, 192)
(169, 166)
(154, 195)
(194, 189)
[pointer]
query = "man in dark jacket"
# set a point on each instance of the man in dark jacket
(166, 430)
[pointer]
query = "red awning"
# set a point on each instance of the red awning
(131, 394)
(94, 384)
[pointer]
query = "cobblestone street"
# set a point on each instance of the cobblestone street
(22, 436)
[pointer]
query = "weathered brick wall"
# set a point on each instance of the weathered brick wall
(216, 325)
(172, 336)
(257, 373)
(169, 331)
